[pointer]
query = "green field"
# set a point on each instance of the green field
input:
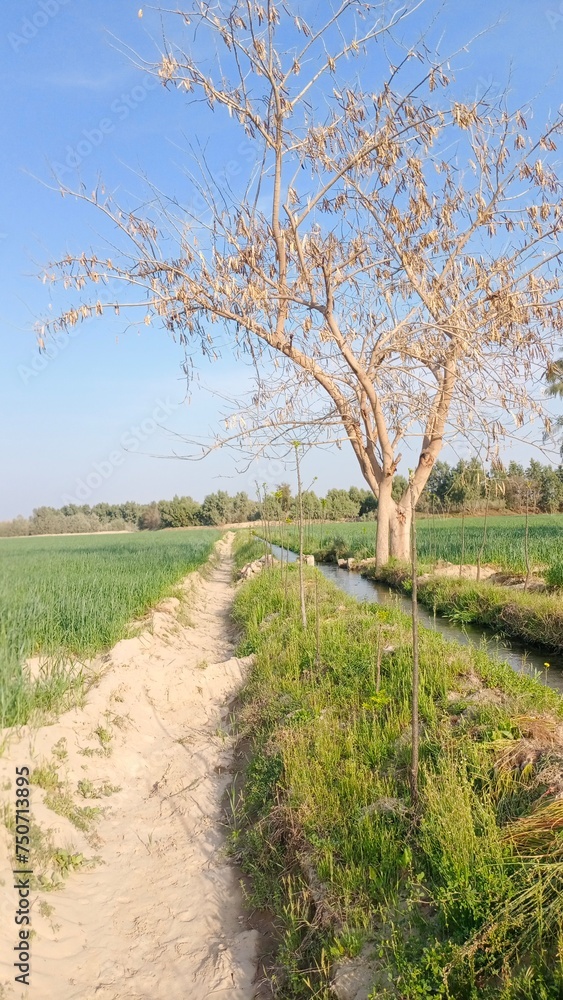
(442, 538)
(73, 596)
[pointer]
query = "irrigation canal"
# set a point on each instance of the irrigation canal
(521, 658)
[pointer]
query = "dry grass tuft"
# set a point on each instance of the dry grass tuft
(538, 832)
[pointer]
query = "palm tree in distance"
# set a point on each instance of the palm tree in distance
(554, 379)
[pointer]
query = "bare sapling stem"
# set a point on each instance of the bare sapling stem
(484, 539)
(301, 556)
(378, 662)
(317, 620)
(283, 543)
(462, 556)
(269, 522)
(415, 663)
(434, 542)
(262, 495)
(526, 537)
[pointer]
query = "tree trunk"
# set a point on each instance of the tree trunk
(399, 532)
(385, 511)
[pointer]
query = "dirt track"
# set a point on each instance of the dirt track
(160, 914)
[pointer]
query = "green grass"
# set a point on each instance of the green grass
(554, 574)
(462, 900)
(440, 538)
(247, 547)
(71, 597)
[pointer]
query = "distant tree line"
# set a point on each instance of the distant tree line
(180, 512)
(467, 486)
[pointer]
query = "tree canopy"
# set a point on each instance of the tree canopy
(388, 257)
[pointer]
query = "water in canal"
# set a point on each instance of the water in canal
(523, 659)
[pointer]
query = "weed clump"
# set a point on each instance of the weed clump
(554, 574)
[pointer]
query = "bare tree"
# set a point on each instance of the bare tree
(389, 261)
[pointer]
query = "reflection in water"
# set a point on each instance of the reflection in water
(520, 658)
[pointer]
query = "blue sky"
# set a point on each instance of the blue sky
(72, 98)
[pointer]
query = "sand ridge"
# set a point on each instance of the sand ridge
(160, 913)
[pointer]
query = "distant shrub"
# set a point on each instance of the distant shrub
(10, 529)
(117, 524)
(150, 520)
(78, 524)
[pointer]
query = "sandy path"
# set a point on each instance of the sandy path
(161, 915)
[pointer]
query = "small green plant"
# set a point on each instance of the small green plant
(120, 721)
(105, 737)
(46, 777)
(376, 701)
(554, 574)
(59, 750)
(88, 790)
(68, 862)
(61, 802)
(44, 856)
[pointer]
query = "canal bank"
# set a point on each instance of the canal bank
(455, 895)
(524, 657)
